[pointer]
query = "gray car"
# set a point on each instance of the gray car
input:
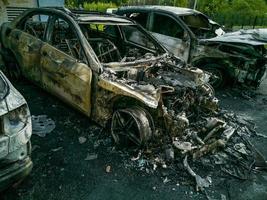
(237, 57)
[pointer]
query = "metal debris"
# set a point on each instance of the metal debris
(42, 125)
(137, 157)
(223, 197)
(226, 151)
(82, 139)
(108, 168)
(241, 148)
(56, 149)
(91, 156)
(183, 146)
(169, 153)
(209, 148)
(166, 180)
(201, 183)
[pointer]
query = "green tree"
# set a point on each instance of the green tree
(210, 7)
(240, 8)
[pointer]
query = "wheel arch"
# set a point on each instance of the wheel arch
(139, 110)
(218, 64)
(200, 63)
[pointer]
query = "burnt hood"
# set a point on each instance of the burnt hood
(251, 37)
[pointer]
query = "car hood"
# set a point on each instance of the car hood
(159, 76)
(251, 37)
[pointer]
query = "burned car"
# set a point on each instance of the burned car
(110, 69)
(16, 130)
(238, 57)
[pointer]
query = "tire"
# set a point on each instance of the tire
(221, 79)
(132, 127)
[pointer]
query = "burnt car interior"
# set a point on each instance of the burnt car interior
(113, 43)
(36, 25)
(65, 39)
(110, 41)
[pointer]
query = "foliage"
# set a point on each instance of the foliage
(99, 6)
(212, 8)
(78, 3)
(180, 3)
(71, 3)
(240, 8)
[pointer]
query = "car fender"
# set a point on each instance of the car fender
(122, 89)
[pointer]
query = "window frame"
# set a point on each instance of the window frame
(142, 30)
(21, 24)
(140, 11)
(152, 18)
(50, 30)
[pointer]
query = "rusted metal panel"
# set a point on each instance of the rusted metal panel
(65, 77)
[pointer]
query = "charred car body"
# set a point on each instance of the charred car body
(233, 57)
(16, 130)
(110, 69)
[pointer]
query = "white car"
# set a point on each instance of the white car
(16, 131)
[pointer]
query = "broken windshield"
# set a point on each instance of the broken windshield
(120, 42)
(199, 25)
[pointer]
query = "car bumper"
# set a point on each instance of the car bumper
(14, 172)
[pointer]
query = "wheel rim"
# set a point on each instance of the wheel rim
(131, 126)
(217, 81)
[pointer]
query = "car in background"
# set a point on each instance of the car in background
(110, 69)
(237, 57)
(16, 131)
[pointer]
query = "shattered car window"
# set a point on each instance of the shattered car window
(36, 25)
(199, 25)
(134, 35)
(196, 21)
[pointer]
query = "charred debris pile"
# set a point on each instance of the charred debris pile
(197, 137)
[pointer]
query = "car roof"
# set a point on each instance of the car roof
(172, 9)
(83, 16)
(102, 18)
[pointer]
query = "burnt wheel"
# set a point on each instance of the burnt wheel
(131, 126)
(220, 79)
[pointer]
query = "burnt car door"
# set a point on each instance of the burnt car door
(65, 72)
(171, 34)
(26, 41)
